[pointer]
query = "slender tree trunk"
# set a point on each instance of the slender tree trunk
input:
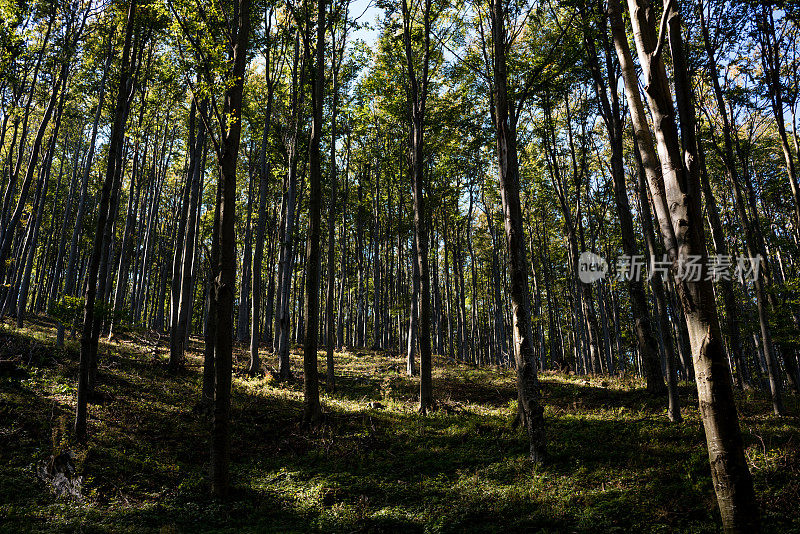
(771, 56)
(36, 221)
(114, 160)
(264, 172)
(287, 249)
(9, 228)
(499, 323)
(658, 292)
(8, 195)
(123, 265)
(377, 281)
(528, 394)
(224, 294)
(332, 208)
(418, 86)
(55, 282)
(720, 246)
(245, 302)
(312, 410)
(209, 353)
(610, 111)
(72, 262)
(343, 256)
(187, 256)
(180, 244)
(412, 321)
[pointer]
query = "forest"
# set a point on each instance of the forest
(399, 266)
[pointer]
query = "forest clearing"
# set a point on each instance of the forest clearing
(376, 465)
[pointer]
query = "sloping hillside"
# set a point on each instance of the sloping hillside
(375, 465)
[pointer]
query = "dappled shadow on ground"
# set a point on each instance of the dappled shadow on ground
(615, 461)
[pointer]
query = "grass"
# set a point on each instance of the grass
(616, 464)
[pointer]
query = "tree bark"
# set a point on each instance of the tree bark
(338, 56)
(188, 254)
(264, 171)
(312, 410)
(114, 160)
(230, 133)
(610, 111)
(418, 86)
(732, 481)
(528, 394)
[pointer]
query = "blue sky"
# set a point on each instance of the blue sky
(366, 10)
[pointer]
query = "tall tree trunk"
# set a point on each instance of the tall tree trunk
(418, 86)
(771, 56)
(312, 410)
(337, 56)
(343, 256)
(229, 136)
(36, 221)
(23, 138)
(114, 160)
(412, 321)
(188, 254)
(55, 282)
(659, 294)
(209, 372)
(499, 323)
(72, 262)
(123, 265)
(180, 245)
(610, 111)
(287, 233)
(264, 171)
(528, 394)
(245, 302)
(732, 481)
(720, 246)
(377, 282)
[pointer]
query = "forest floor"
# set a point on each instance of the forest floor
(615, 462)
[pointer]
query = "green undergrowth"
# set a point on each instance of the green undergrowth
(615, 462)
